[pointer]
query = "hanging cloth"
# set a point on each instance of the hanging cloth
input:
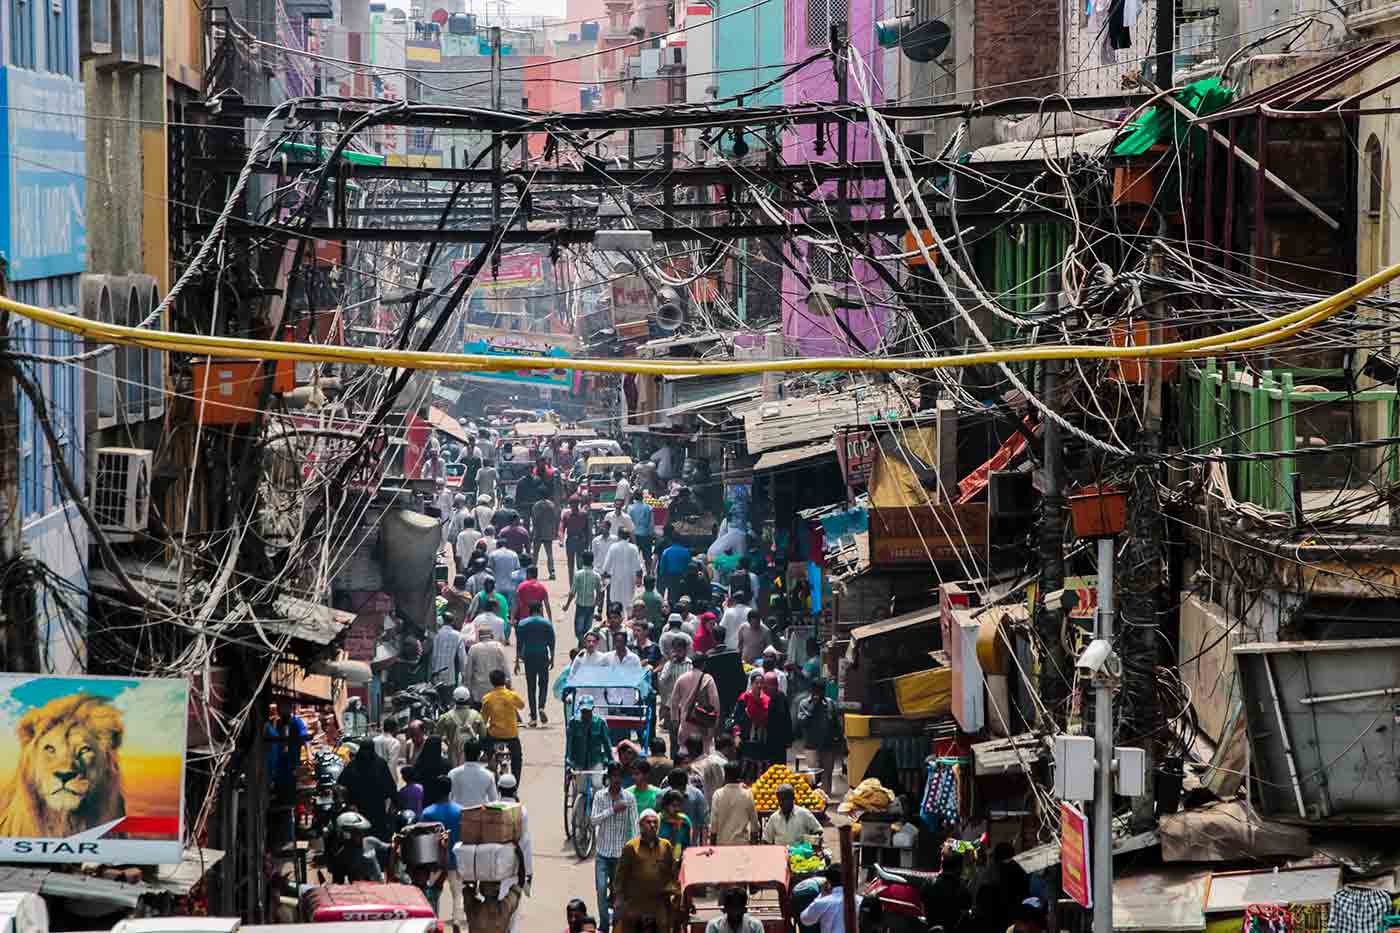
(1357, 910)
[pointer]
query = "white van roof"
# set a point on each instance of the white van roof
(233, 925)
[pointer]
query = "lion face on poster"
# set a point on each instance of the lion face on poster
(69, 778)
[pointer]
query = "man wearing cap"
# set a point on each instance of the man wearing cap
(674, 632)
(487, 655)
(483, 511)
(587, 744)
(677, 665)
(789, 824)
(459, 724)
(647, 877)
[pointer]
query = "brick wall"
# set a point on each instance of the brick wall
(1016, 41)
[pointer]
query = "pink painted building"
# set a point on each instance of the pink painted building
(807, 30)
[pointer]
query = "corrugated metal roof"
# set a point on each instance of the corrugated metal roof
(442, 421)
(769, 425)
(306, 621)
(788, 455)
(917, 617)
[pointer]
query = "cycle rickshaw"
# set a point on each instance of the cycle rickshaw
(623, 698)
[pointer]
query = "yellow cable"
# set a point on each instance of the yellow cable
(1255, 335)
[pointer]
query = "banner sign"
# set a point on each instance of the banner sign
(856, 449)
(1074, 855)
(94, 769)
(906, 537)
(541, 378)
(517, 270)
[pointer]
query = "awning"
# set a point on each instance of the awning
(770, 425)
(790, 455)
(1048, 855)
(713, 401)
(52, 883)
(442, 421)
(180, 879)
(306, 621)
(896, 624)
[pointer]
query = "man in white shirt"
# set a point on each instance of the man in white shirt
(734, 618)
(624, 489)
(486, 479)
(483, 512)
(601, 544)
(618, 520)
(465, 544)
(621, 655)
(460, 512)
(449, 658)
(622, 570)
(491, 621)
(736, 917)
(828, 911)
(789, 824)
(472, 783)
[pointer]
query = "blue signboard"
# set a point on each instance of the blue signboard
(540, 378)
(45, 139)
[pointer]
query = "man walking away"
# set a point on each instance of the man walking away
(544, 528)
(584, 589)
(574, 524)
(534, 645)
(531, 592)
(501, 709)
(643, 525)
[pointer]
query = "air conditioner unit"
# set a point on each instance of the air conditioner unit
(121, 491)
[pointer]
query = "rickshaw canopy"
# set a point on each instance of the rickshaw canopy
(611, 678)
(718, 866)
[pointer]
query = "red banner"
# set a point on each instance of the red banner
(1074, 855)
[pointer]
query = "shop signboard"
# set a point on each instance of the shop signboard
(551, 376)
(47, 149)
(906, 537)
(631, 300)
(856, 448)
(1074, 855)
(516, 270)
(96, 767)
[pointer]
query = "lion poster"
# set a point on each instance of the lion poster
(92, 769)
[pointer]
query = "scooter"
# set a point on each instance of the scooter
(901, 901)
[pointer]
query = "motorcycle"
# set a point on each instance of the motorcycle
(901, 901)
(325, 802)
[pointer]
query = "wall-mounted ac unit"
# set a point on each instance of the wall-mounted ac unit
(120, 484)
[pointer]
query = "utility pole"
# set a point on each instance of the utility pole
(1049, 616)
(1142, 578)
(1166, 42)
(496, 134)
(1102, 823)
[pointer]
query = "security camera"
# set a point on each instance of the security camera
(1099, 658)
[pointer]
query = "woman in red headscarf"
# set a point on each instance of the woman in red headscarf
(779, 736)
(750, 721)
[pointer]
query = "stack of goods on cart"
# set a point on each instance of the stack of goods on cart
(493, 859)
(765, 790)
(807, 861)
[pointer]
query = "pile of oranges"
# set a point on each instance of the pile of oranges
(765, 790)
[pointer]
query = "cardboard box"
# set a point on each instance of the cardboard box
(493, 823)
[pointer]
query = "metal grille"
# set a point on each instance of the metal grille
(820, 16)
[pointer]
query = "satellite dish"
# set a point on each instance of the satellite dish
(440, 16)
(926, 41)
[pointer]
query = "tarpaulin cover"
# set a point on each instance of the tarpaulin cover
(925, 693)
(893, 481)
(1226, 832)
(1164, 122)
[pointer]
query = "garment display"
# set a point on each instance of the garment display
(1267, 918)
(1357, 910)
(939, 807)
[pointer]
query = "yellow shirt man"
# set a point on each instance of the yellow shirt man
(500, 708)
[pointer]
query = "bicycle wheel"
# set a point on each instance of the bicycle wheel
(568, 805)
(583, 836)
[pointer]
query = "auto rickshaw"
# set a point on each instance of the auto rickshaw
(763, 870)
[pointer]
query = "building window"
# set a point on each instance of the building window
(821, 14)
(1375, 177)
(22, 33)
(59, 53)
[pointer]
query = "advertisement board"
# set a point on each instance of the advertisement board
(517, 270)
(856, 449)
(47, 149)
(93, 769)
(632, 300)
(1074, 855)
(904, 537)
(544, 378)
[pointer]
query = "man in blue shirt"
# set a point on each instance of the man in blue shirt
(670, 568)
(644, 526)
(534, 646)
(442, 810)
